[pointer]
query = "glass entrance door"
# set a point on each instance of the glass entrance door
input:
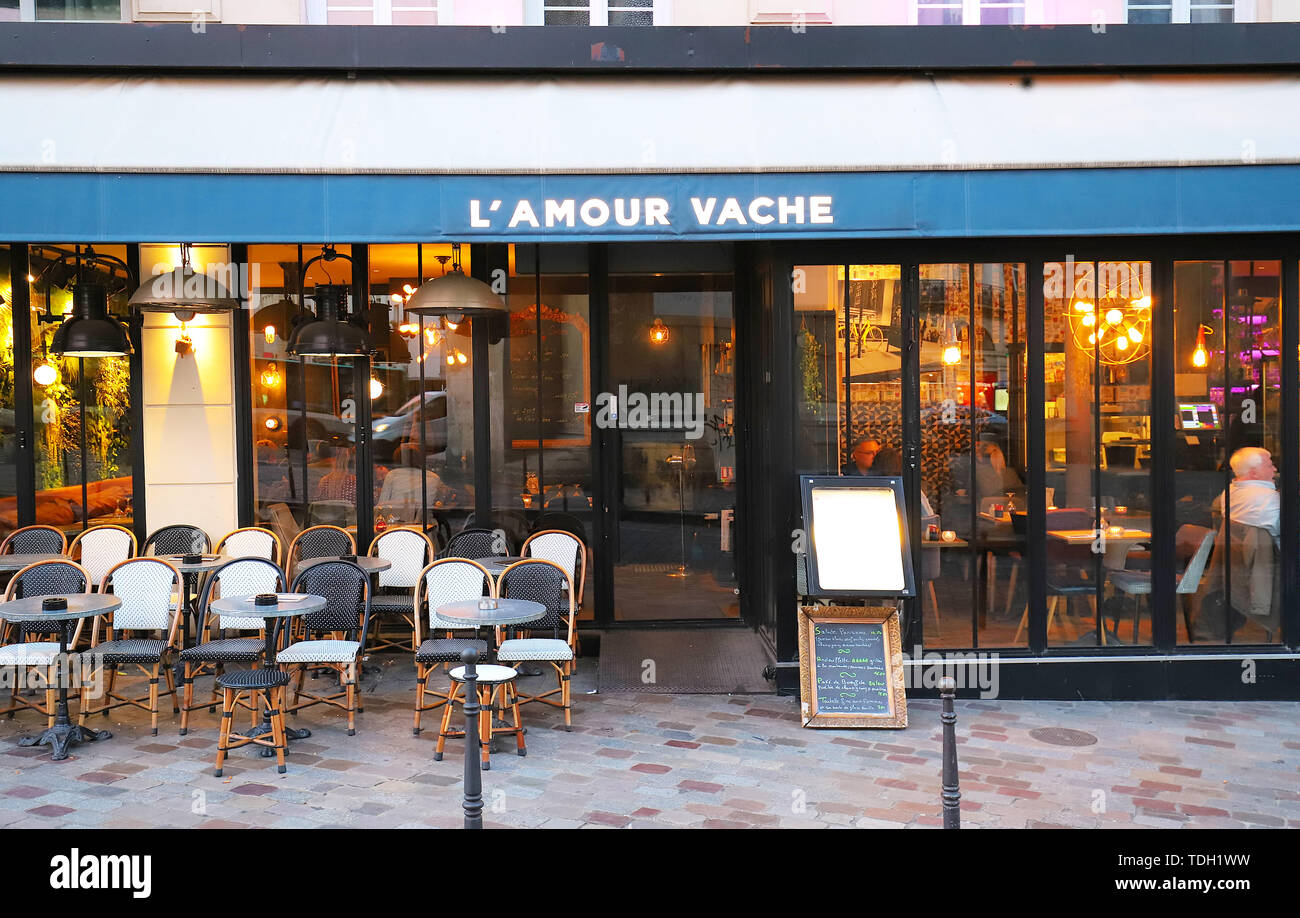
(668, 419)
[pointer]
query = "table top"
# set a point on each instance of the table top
(18, 562)
(497, 564)
(209, 562)
(1084, 536)
(367, 563)
(80, 605)
(244, 605)
(507, 612)
(940, 543)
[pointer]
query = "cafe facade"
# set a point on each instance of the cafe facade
(1048, 277)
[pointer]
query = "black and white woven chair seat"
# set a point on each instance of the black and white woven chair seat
(230, 650)
(252, 679)
(325, 651)
(488, 674)
(36, 653)
(521, 649)
(448, 650)
(131, 650)
(391, 603)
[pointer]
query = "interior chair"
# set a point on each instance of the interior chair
(177, 540)
(35, 540)
(319, 542)
(34, 645)
(1244, 584)
(1138, 583)
(251, 542)
(444, 581)
(477, 543)
(334, 636)
(408, 550)
(1069, 567)
(283, 523)
(101, 548)
(211, 652)
(547, 583)
(142, 633)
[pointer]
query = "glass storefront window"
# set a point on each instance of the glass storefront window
(8, 419)
(80, 10)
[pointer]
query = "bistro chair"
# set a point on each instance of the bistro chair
(1138, 583)
(24, 647)
(35, 540)
(237, 578)
(319, 542)
(150, 591)
(177, 540)
(561, 547)
(1068, 567)
(444, 581)
(242, 687)
(547, 583)
(408, 550)
(334, 635)
(101, 548)
(477, 543)
(251, 542)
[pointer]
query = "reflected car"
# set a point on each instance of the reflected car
(390, 432)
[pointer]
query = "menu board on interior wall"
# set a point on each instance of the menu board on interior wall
(850, 667)
(545, 386)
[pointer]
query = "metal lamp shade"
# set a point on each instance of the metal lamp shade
(456, 294)
(328, 335)
(183, 290)
(90, 331)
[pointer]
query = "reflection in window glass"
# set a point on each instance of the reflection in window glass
(938, 12)
(1227, 446)
(110, 10)
(1002, 12)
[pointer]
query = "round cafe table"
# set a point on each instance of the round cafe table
(507, 612)
(80, 605)
(290, 605)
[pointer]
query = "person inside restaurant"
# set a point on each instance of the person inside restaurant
(861, 459)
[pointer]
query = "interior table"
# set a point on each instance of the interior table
(18, 562)
(496, 564)
(287, 606)
(80, 605)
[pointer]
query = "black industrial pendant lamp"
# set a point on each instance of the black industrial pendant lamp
(329, 334)
(455, 296)
(89, 331)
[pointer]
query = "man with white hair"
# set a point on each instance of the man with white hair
(1252, 497)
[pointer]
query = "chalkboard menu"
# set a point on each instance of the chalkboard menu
(850, 662)
(547, 379)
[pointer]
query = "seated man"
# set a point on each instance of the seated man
(863, 455)
(1252, 497)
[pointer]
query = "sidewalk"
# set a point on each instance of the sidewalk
(660, 761)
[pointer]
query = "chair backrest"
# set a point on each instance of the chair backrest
(237, 578)
(1191, 579)
(285, 525)
(346, 590)
(35, 540)
(47, 578)
(558, 519)
(320, 542)
(251, 542)
(547, 583)
(177, 540)
(150, 591)
(449, 580)
(99, 548)
(408, 550)
(563, 548)
(477, 543)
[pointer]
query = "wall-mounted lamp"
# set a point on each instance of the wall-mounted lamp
(376, 388)
(184, 346)
(658, 332)
(272, 423)
(45, 374)
(269, 334)
(271, 376)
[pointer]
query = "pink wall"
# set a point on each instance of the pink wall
(489, 12)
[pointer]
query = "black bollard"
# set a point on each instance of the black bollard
(473, 803)
(951, 790)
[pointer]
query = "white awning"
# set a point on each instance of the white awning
(631, 124)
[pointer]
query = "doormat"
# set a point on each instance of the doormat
(696, 661)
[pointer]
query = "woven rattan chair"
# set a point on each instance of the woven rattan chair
(409, 551)
(251, 542)
(319, 542)
(334, 635)
(443, 581)
(34, 645)
(177, 540)
(562, 547)
(149, 589)
(547, 583)
(101, 548)
(243, 687)
(34, 540)
(240, 577)
(477, 543)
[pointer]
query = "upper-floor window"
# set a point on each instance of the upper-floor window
(968, 12)
(597, 12)
(381, 12)
(79, 10)
(1158, 11)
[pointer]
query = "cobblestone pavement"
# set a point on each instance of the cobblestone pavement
(658, 761)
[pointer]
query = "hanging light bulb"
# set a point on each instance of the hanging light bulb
(1114, 317)
(271, 376)
(658, 332)
(1121, 343)
(184, 346)
(269, 334)
(45, 374)
(952, 355)
(461, 358)
(451, 360)
(1199, 356)
(1134, 335)
(376, 388)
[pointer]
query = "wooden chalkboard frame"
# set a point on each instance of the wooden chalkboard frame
(809, 617)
